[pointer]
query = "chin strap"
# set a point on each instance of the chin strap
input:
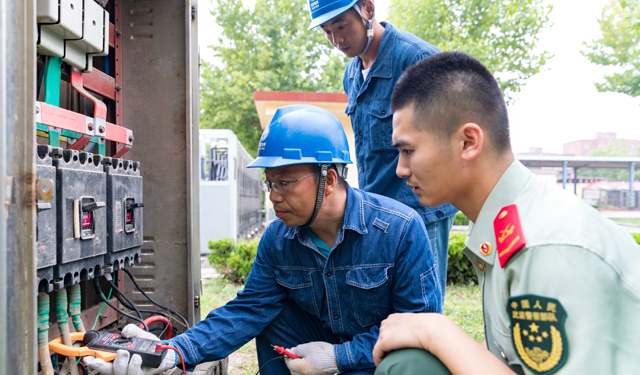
(369, 26)
(321, 183)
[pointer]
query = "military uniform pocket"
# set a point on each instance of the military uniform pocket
(370, 294)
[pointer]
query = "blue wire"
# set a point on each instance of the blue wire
(91, 148)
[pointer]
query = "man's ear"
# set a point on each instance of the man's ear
(468, 141)
(367, 9)
(331, 182)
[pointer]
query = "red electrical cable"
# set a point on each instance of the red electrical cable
(162, 319)
(167, 347)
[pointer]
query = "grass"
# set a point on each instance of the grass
(627, 221)
(463, 305)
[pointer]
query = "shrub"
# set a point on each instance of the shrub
(459, 268)
(460, 219)
(233, 260)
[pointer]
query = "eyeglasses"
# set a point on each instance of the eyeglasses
(280, 186)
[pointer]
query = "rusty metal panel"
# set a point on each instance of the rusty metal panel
(18, 179)
(158, 82)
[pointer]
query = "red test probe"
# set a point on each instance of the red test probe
(284, 351)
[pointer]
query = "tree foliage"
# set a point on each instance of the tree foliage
(501, 34)
(619, 47)
(263, 48)
(616, 147)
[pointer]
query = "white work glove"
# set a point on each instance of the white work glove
(126, 364)
(316, 358)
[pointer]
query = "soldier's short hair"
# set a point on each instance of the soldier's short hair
(451, 89)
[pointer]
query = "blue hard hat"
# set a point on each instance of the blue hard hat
(302, 134)
(324, 10)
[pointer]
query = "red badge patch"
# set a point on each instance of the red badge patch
(509, 235)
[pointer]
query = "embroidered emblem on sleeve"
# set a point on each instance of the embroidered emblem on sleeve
(537, 331)
(509, 234)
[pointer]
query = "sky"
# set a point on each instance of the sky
(558, 105)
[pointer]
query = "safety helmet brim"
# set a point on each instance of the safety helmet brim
(270, 162)
(330, 15)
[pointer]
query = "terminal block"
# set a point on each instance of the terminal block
(124, 213)
(81, 195)
(46, 255)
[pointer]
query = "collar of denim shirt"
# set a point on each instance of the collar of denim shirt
(383, 65)
(353, 219)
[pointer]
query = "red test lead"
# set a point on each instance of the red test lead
(284, 351)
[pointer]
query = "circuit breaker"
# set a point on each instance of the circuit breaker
(81, 189)
(124, 213)
(46, 222)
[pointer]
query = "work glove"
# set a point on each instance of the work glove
(316, 358)
(127, 364)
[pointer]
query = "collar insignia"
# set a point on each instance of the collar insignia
(537, 331)
(509, 234)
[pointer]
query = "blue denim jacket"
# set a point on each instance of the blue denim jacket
(377, 266)
(370, 111)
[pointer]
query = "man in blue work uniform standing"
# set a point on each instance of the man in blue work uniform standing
(335, 263)
(380, 54)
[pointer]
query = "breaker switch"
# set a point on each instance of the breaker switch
(129, 218)
(84, 218)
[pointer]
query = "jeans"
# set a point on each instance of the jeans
(439, 239)
(292, 327)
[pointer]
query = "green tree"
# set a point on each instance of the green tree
(619, 47)
(501, 34)
(263, 48)
(617, 147)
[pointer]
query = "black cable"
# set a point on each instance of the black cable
(131, 305)
(272, 359)
(102, 296)
(152, 300)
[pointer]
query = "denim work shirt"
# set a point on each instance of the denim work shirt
(377, 266)
(370, 111)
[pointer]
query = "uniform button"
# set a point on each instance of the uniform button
(439, 214)
(361, 169)
(335, 316)
(480, 267)
(329, 274)
(360, 135)
(384, 111)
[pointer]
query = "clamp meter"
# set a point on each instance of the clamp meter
(104, 344)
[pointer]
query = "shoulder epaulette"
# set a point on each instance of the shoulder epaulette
(509, 234)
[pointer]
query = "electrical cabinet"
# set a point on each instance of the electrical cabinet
(124, 213)
(81, 195)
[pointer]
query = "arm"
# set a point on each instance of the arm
(229, 327)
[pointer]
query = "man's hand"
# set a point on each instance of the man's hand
(126, 364)
(316, 358)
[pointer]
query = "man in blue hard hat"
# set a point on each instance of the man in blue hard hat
(335, 263)
(380, 54)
